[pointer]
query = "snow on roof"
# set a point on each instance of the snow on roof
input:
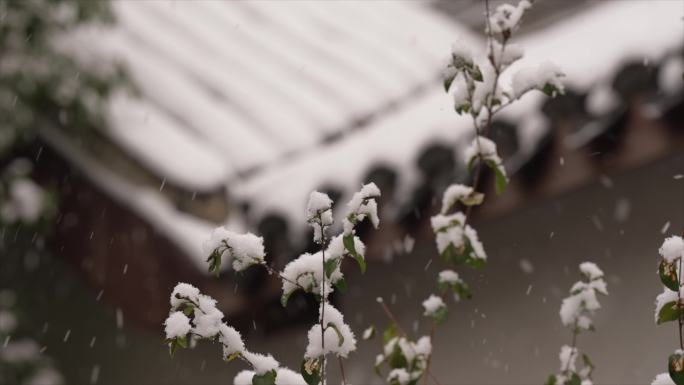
(612, 32)
(248, 94)
(254, 82)
(186, 231)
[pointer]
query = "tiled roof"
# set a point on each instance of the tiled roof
(274, 99)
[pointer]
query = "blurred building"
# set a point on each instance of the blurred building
(240, 109)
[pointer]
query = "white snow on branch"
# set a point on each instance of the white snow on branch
(339, 338)
(672, 248)
(432, 305)
(177, 325)
(243, 250)
(362, 206)
(319, 214)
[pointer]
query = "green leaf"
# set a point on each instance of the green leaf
(448, 80)
(341, 285)
(215, 262)
(500, 176)
(397, 359)
(462, 108)
(551, 380)
(669, 312)
(449, 254)
(189, 308)
(284, 298)
(464, 255)
(340, 337)
(463, 290)
(476, 73)
(476, 263)
(675, 366)
(330, 265)
(310, 370)
(473, 199)
(267, 378)
(551, 90)
(440, 315)
(668, 274)
(574, 380)
(389, 333)
(182, 341)
(349, 245)
(376, 367)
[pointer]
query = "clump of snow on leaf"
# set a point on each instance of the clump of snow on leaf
(260, 362)
(666, 297)
(453, 194)
(339, 339)
(449, 231)
(181, 292)
(663, 379)
(672, 248)
(319, 214)
(231, 340)
(506, 18)
(243, 249)
(362, 206)
(432, 305)
(545, 75)
(448, 276)
(177, 325)
(484, 148)
(577, 309)
(207, 318)
(590, 270)
(568, 357)
(307, 272)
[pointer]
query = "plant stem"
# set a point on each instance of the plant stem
(324, 300)
(679, 305)
(344, 378)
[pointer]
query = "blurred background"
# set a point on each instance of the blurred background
(130, 129)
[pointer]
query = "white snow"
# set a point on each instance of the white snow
(399, 376)
(24, 201)
(535, 78)
(591, 270)
(453, 194)
(578, 308)
(307, 272)
(663, 379)
(432, 305)
(484, 147)
(448, 276)
(177, 325)
(207, 318)
(602, 100)
(339, 344)
(260, 362)
(672, 248)
(243, 250)
(319, 214)
(664, 298)
(567, 357)
(361, 206)
(670, 75)
(181, 291)
(507, 17)
(231, 340)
